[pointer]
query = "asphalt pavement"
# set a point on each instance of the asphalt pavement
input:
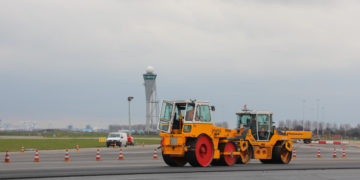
(138, 163)
(348, 174)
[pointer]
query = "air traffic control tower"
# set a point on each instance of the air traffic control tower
(151, 99)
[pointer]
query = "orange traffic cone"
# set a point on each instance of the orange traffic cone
(67, 157)
(36, 158)
(143, 145)
(121, 157)
(155, 157)
(294, 153)
(7, 157)
(343, 153)
(77, 147)
(334, 154)
(22, 149)
(98, 158)
(319, 153)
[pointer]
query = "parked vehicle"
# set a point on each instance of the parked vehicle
(117, 139)
(130, 141)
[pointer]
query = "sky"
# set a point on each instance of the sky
(76, 62)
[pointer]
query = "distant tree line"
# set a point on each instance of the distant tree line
(136, 128)
(140, 128)
(323, 128)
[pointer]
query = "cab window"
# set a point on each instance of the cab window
(165, 116)
(166, 111)
(114, 135)
(203, 113)
(179, 111)
(179, 116)
(243, 119)
(263, 126)
(190, 112)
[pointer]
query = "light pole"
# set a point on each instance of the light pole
(303, 114)
(317, 116)
(129, 100)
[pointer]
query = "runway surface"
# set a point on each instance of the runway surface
(138, 163)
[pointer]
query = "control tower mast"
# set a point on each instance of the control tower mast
(151, 97)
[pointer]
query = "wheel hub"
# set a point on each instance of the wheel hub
(203, 149)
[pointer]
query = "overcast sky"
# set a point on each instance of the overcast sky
(75, 62)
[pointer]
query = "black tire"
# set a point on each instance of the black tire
(174, 161)
(276, 157)
(119, 144)
(191, 158)
(190, 154)
(221, 161)
(250, 151)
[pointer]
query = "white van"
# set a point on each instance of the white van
(117, 138)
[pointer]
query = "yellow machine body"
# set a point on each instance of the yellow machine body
(187, 136)
(305, 135)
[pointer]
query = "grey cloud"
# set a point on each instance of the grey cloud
(238, 51)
